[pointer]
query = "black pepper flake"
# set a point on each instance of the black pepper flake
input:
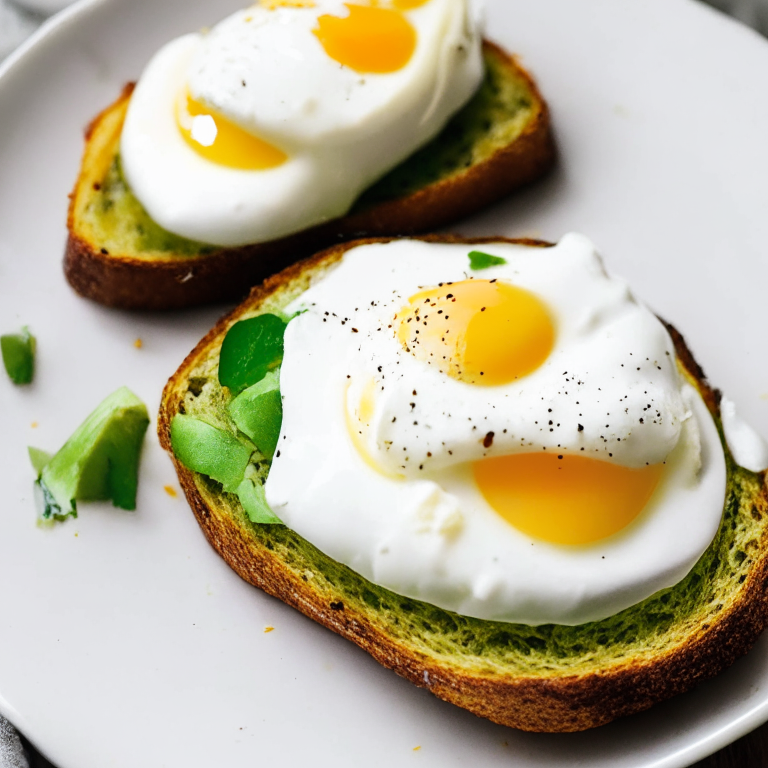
(488, 440)
(581, 427)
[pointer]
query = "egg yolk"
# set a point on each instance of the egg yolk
(370, 40)
(565, 499)
(221, 141)
(478, 331)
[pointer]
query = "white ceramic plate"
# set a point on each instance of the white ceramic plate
(124, 640)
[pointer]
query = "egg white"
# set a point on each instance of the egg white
(267, 72)
(431, 535)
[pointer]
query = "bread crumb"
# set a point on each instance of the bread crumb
(34, 425)
(138, 343)
(268, 629)
(170, 490)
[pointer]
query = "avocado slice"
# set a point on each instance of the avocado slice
(99, 462)
(18, 351)
(254, 501)
(39, 458)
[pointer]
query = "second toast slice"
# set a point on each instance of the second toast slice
(118, 256)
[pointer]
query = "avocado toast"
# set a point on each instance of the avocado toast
(546, 678)
(118, 256)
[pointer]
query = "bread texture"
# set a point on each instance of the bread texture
(549, 678)
(118, 256)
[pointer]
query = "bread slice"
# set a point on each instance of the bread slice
(117, 255)
(547, 678)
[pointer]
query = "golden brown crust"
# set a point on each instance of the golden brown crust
(226, 274)
(554, 704)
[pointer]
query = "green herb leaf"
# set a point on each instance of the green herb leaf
(258, 413)
(254, 502)
(18, 351)
(250, 350)
(479, 260)
(210, 451)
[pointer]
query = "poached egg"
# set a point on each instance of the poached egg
(514, 444)
(284, 113)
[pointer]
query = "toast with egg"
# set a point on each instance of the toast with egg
(550, 678)
(118, 256)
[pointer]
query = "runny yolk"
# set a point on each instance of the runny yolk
(565, 499)
(478, 331)
(221, 141)
(370, 40)
(408, 5)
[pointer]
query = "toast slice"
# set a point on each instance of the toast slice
(118, 256)
(549, 678)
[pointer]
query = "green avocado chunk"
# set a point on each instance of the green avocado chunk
(39, 458)
(254, 502)
(18, 352)
(258, 413)
(211, 451)
(250, 350)
(479, 260)
(100, 461)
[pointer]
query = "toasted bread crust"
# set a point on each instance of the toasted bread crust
(126, 282)
(553, 704)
